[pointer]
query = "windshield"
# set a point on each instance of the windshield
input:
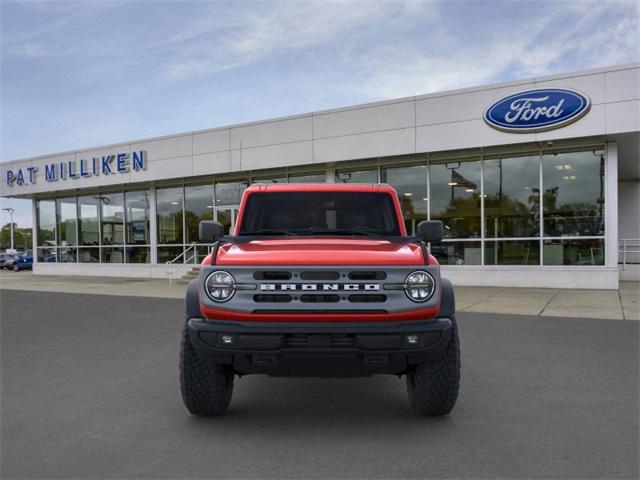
(320, 213)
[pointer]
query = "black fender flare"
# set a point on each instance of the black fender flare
(447, 300)
(193, 300)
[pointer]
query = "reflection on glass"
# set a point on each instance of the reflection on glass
(229, 193)
(512, 252)
(137, 254)
(67, 212)
(573, 198)
(112, 255)
(88, 220)
(137, 218)
(318, 177)
(112, 205)
(457, 253)
(455, 198)
(512, 197)
(282, 179)
(411, 185)
(67, 255)
(166, 254)
(226, 216)
(198, 205)
(89, 255)
(359, 176)
(169, 207)
(46, 216)
(47, 254)
(574, 252)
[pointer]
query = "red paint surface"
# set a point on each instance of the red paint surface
(218, 314)
(320, 251)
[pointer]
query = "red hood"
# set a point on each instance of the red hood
(320, 251)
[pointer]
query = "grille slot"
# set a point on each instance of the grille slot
(319, 275)
(272, 275)
(358, 298)
(319, 298)
(367, 275)
(318, 341)
(271, 298)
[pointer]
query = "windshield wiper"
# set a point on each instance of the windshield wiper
(268, 231)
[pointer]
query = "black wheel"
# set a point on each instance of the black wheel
(206, 387)
(16, 268)
(433, 386)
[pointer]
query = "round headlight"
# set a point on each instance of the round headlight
(220, 286)
(419, 286)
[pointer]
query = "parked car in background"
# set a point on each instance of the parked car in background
(7, 260)
(23, 262)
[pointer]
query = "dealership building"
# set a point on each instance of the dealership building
(536, 182)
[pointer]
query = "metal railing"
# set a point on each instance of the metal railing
(189, 257)
(628, 247)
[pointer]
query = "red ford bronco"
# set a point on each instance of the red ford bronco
(320, 281)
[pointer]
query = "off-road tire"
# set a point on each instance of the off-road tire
(433, 386)
(206, 387)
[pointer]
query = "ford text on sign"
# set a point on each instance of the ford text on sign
(537, 110)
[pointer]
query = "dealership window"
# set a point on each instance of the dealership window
(574, 251)
(314, 177)
(169, 208)
(46, 230)
(137, 227)
(67, 224)
(573, 193)
(455, 193)
(170, 222)
(198, 206)
(229, 193)
(88, 229)
(112, 227)
(458, 252)
(411, 184)
(512, 252)
(512, 197)
(357, 176)
(455, 197)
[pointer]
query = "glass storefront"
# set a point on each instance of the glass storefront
(411, 184)
(491, 208)
(95, 228)
(512, 197)
(455, 197)
(573, 195)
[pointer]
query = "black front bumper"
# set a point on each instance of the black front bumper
(320, 349)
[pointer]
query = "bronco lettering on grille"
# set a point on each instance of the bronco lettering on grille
(324, 287)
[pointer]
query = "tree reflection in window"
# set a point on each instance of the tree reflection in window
(455, 198)
(573, 198)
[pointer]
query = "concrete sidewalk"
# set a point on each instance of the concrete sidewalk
(610, 304)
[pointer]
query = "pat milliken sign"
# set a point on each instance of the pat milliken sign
(105, 165)
(537, 110)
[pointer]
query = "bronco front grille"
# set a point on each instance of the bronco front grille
(320, 289)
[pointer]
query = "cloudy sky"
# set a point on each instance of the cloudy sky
(81, 74)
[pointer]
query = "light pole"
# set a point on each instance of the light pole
(11, 212)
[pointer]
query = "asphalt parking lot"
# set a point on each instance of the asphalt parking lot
(90, 390)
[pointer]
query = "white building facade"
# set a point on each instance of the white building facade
(536, 181)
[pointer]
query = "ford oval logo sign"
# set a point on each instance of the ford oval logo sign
(537, 110)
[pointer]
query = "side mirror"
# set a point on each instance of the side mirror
(210, 231)
(430, 230)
